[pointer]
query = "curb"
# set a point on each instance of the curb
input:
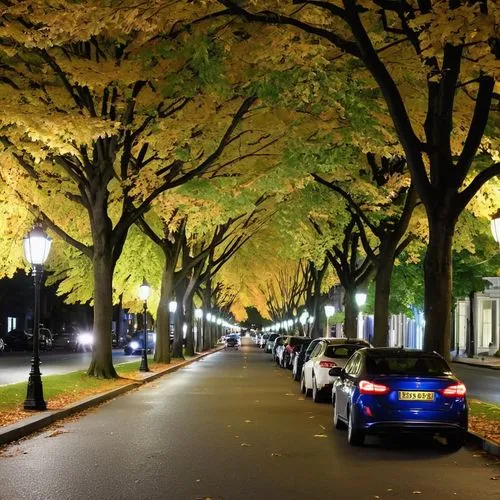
(487, 445)
(488, 367)
(37, 422)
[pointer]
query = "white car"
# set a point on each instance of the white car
(327, 354)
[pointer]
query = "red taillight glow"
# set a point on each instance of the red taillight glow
(454, 391)
(366, 387)
(327, 364)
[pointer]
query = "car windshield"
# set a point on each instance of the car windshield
(407, 365)
(341, 351)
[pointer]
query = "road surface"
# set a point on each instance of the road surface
(231, 426)
(15, 366)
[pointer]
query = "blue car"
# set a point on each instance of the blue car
(386, 390)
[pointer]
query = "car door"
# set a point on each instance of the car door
(308, 366)
(317, 357)
(345, 384)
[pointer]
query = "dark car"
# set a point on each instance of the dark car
(136, 343)
(388, 390)
(67, 341)
(19, 340)
(292, 346)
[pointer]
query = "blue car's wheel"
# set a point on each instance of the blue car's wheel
(355, 436)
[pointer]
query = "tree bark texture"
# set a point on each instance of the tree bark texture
(438, 281)
(162, 349)
(351, 315)
(102, 359)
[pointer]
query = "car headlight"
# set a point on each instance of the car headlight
(85, 339)
(134, 345)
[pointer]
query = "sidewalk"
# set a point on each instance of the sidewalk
(490, 362)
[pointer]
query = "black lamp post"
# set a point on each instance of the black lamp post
(36, 250)
(144, 293)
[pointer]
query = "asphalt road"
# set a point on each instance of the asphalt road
(15, 366)
(482, 383)
(231, 426)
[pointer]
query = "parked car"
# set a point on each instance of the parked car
(19, 340)
(46, 339)
(385, 390)
(136, 343)
(292, 347)
(278, 342)
(303, 356)
(270, 341)
(65, 340)
(263, 340)
(315, 372)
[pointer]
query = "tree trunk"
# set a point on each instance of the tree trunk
(382, 295)
(180, 291)
(188, 307)
(207, 325)
(438, 279)
(162, 349)
(351, 315)
(102, 359)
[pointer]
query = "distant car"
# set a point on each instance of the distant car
(292, 346)
(270, 341)
(387, 390)
(19, 340)
(66, 341)
(277, 345)
(315, 372)
(136, 343)
(46, 339)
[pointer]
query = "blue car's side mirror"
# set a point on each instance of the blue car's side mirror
(336, 371)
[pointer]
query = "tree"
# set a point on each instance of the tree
(455, 46)
(388, 228)
(105, 119)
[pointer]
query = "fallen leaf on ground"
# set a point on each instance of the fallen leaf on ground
(320, 435)
(247, 421)
(245, 444)
(276, 454)
(416, 492)
(56, 433)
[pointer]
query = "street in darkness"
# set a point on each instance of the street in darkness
(231, 426)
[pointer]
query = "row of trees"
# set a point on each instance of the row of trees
(156, 140)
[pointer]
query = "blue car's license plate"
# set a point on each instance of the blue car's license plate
(416, 395)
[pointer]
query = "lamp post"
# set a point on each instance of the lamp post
(144, 293)
(329, 312)
(360, 298)
(36, 250)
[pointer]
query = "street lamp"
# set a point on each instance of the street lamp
(495, 228)
(36, 250)
(329, 312)
(144, 293)
(360, 298)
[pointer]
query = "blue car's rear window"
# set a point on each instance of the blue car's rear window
(406, 365)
